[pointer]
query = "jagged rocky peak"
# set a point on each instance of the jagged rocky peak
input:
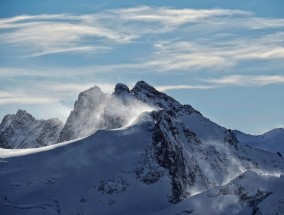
(142, 85)
(84, 119)
(22, 130)
(21, 118)
(121, 89)
(86, 97)
(22, 114)
(148, 94)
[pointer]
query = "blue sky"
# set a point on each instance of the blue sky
(225, 58)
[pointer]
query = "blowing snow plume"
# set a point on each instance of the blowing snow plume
(95, 110)
(122, 108)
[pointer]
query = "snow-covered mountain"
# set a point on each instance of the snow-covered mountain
(170, 159)
(272, 141)
(95, 110)
(22, 130)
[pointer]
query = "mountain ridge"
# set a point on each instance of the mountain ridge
(166, 161)
(22, 130)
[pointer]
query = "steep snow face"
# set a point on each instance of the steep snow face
(84, 119)
(272, 141)
(22, 130)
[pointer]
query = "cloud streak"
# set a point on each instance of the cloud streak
(216, 54)
(228, 81)
(243, 80)
(47, 34)
(181, 87)
(27, 100)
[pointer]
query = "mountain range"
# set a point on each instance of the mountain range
(137, 151)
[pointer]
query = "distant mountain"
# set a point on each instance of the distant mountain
(22, 130)
(272, 141)
(169, 159)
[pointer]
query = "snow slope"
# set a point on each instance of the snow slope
(272, 141)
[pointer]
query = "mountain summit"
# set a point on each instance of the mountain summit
(95, 110)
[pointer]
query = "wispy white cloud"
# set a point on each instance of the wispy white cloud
(247, 80)
(39, 93)
(57, 33)
(227, 81)
(174, 17)
(72, 88)
(27, 100)
(216, 54)
(4, 94)
(180, 87)
(54, 50)
(47, 34)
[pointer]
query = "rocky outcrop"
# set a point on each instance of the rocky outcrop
(84, 119)
(22, 130)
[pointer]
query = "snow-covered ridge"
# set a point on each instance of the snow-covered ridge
(168, 160)
(99, 111)
(95, 110)
(272, 141)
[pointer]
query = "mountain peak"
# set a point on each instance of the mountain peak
(148, 94)
(84, 118)
(87, 97)
(143, 85)
(92, 90)
(22, 130)
(24, 114)
(120, 89)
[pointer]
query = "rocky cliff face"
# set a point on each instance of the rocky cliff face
(84, 119)
(195, 161)
(22, 130)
